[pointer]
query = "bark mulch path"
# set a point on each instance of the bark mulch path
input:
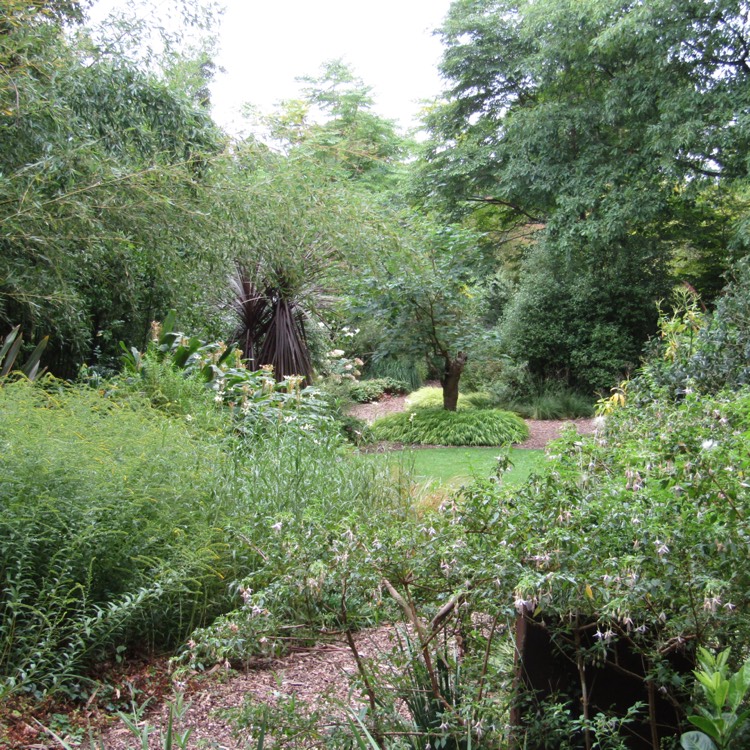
(308, 675)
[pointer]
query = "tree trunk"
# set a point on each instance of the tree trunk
(449, 381)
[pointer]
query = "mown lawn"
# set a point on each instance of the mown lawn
(454, 466)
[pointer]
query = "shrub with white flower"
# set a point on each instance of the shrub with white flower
(339, 367)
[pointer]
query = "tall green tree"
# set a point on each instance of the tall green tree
(102, 206)
(423, 293)
(336, 121)
(606, 123)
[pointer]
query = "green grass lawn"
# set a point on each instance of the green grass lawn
(454, 466)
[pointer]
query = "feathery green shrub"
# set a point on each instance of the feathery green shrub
(109, 529)
(127, 518)
(437, 426)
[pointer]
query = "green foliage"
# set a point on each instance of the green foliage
(9, 353)
(722, 722)
(101, 206)
(586, 327)
(365, 391)
(255, 398)
(128, 508)
(349, 136)
(422, 296)
(565, 123)
(530, 399)
(547, 399)
(431, 426)
(174, 736)
(701, 351)
(402, 369)
(431, 397)
(110, 530)
(515, 389)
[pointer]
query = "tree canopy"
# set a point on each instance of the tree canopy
(619, 129)
(102, 212)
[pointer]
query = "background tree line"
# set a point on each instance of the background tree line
(584, 158)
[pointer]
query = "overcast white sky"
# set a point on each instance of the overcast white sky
(265, 44)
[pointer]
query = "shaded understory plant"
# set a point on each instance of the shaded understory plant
(253, 396)
(722, 722)
(10, 349)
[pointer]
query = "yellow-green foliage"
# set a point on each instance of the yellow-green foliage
(431, 398)
(431, 426)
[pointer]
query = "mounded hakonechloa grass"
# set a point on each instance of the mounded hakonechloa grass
(430, 426)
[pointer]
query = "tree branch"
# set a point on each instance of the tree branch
(490, 200)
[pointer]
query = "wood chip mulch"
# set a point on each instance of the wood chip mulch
(309, 674)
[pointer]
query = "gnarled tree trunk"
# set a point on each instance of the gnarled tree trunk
(451, 375)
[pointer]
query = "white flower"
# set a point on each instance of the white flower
(711, 603)
(661, 548)
(708, 445)
(276, 526)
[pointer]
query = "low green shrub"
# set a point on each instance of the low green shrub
(431, 397)
(174, 367)
(538, 399)
(478, 400)
(403, 369)
(700, 351)
(354, 429)
(365, 391)
(565, 404)
(436, 426)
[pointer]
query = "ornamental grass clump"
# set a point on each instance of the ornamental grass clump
(441, 427)
(110, 530)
